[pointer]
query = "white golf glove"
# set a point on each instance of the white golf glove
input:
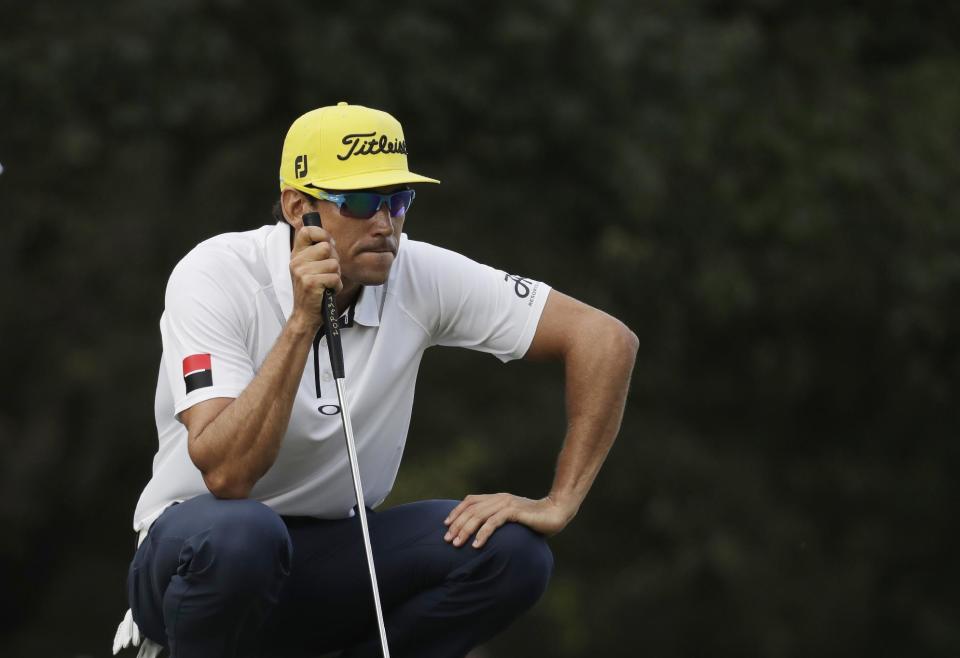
(128, 634)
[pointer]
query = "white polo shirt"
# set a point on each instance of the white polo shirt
(226, 304)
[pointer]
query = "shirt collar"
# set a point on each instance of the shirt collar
(366, 310)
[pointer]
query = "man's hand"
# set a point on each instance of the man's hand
(314, 266)
(490, 511)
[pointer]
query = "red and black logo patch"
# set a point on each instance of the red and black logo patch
(197, 372)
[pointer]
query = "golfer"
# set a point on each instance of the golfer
(249, 540)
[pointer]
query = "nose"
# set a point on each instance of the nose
(383, 223)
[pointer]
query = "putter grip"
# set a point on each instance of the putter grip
(331, 322)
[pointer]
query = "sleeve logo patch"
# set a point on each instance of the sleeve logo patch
(523, 287)
(197, 372)
(521, 284)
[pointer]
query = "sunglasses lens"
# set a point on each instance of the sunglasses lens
(400, 203)
(361, 205)
(364, 205)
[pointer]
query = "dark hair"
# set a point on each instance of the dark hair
(277, 212)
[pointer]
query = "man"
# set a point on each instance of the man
(249, 540)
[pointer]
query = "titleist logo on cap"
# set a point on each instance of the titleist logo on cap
(370, 144)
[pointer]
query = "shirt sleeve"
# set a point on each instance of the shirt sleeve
(463, 303)
(203, 328)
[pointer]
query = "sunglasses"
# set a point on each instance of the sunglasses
(364, 205)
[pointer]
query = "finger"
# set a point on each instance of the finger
(316, 283)
(471, 525)
(309, 235)
(489, 527)
(468, 507)
(304, 268)
(495, 504)
(458, 510)
(468, 522)
(485, 504)
(311, 277)
(316, 251)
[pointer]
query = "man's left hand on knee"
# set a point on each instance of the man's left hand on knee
(485, 513)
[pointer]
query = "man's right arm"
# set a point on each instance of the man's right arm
(233, 442)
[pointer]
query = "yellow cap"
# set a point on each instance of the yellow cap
(346, 147)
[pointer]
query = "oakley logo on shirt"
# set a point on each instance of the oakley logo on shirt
(197, 372)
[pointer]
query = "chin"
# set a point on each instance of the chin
(373, 279)
(375, 270)
(372, 276)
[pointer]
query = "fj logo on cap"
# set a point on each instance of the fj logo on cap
(372, 146)
(300, 166)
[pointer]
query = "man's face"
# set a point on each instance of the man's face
(366, 247)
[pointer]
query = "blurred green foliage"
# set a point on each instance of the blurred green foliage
(767, 192)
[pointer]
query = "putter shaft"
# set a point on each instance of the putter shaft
(362, 511)
(335, 349)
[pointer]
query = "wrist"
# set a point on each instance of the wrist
(299, 327)
(567, 503)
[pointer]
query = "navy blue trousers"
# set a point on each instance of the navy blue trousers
(233, 578)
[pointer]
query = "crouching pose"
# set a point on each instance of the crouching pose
(249, 537)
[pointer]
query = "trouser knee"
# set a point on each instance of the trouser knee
(525, 562)
(246, 550)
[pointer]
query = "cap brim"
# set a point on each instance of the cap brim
(371, 179)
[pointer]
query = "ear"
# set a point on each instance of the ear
(295, 204)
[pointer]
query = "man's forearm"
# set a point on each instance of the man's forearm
(598, 352)
(598, 365)
(237, 447)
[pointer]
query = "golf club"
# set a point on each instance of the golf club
(331, 328)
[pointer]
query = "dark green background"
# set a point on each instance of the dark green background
(766, 192)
